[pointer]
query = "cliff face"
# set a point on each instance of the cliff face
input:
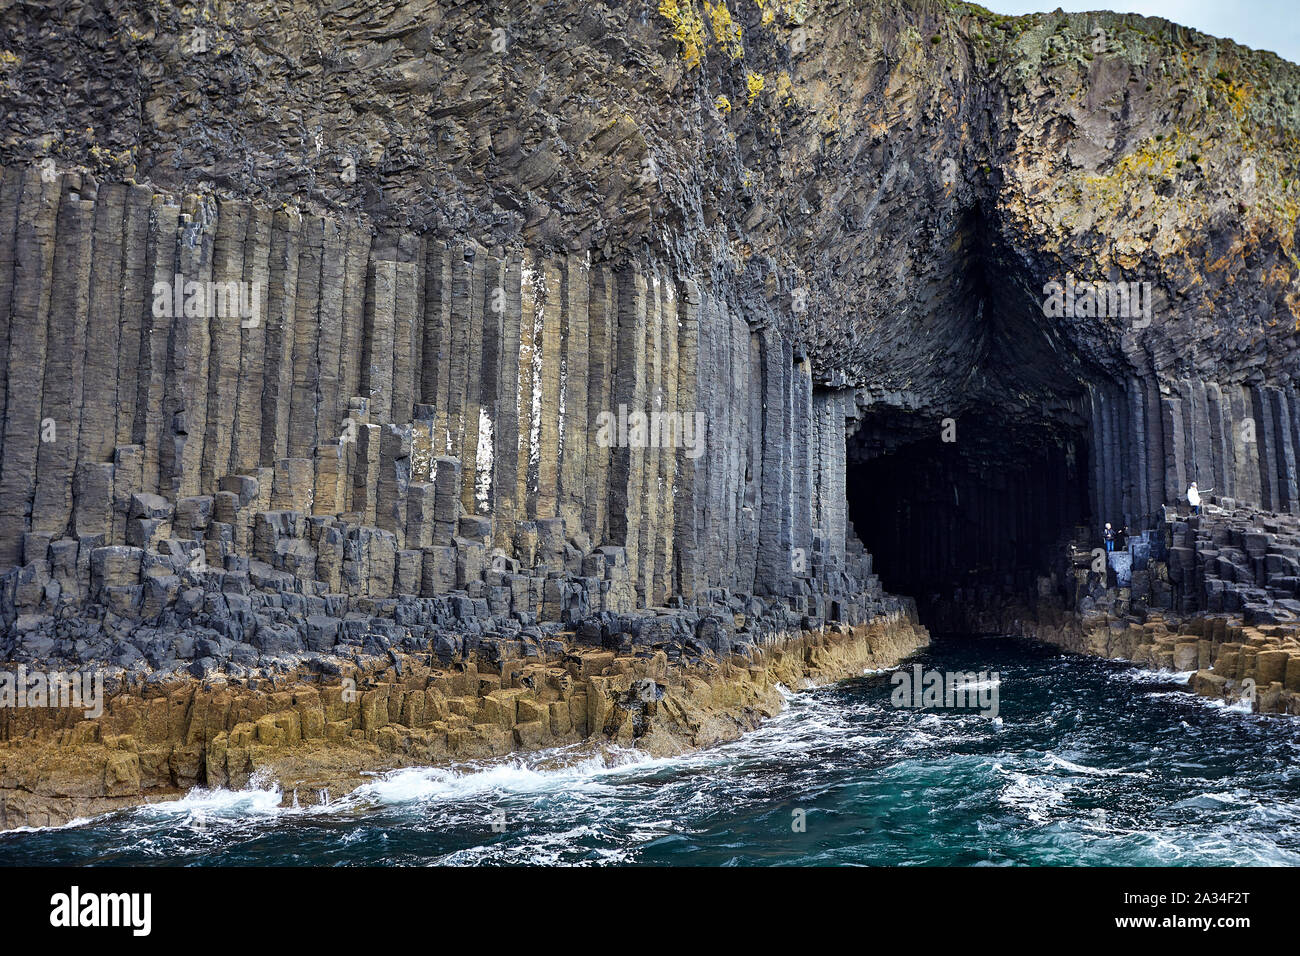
(464, 233)
(877, 155)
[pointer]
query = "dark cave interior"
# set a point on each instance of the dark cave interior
(952, 529)
(970, 522)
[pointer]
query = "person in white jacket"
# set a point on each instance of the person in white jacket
(1194, 498)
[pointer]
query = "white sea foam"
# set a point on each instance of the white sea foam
(1214, 703)
(546, 771)
(978, 685)
(1033, 796)
(1243, 706)
(423, 784)
(1055, 761)
(261, 798)
(1143, 675)
(74, 822)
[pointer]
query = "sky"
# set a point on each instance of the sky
(1262, 24)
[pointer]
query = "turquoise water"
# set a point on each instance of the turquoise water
(1088, 762)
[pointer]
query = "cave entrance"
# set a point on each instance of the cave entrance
(966, 527)
(968, 473)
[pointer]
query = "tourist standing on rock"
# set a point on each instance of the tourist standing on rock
(1194, 498)
(1109, 535)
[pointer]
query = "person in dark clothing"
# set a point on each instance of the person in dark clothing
(1109, 535)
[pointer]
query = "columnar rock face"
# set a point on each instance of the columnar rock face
(348, 418)
(1150, 442)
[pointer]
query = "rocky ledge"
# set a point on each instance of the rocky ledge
(317, 735)
(1235, 663)
(1214, 594)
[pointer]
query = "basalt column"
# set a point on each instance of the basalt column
(1148, 441)
(197, 383)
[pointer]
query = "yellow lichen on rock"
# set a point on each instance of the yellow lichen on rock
(783, 90)
(726, 31)
(688, 28)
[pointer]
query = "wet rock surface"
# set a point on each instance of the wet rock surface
(316, 730)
